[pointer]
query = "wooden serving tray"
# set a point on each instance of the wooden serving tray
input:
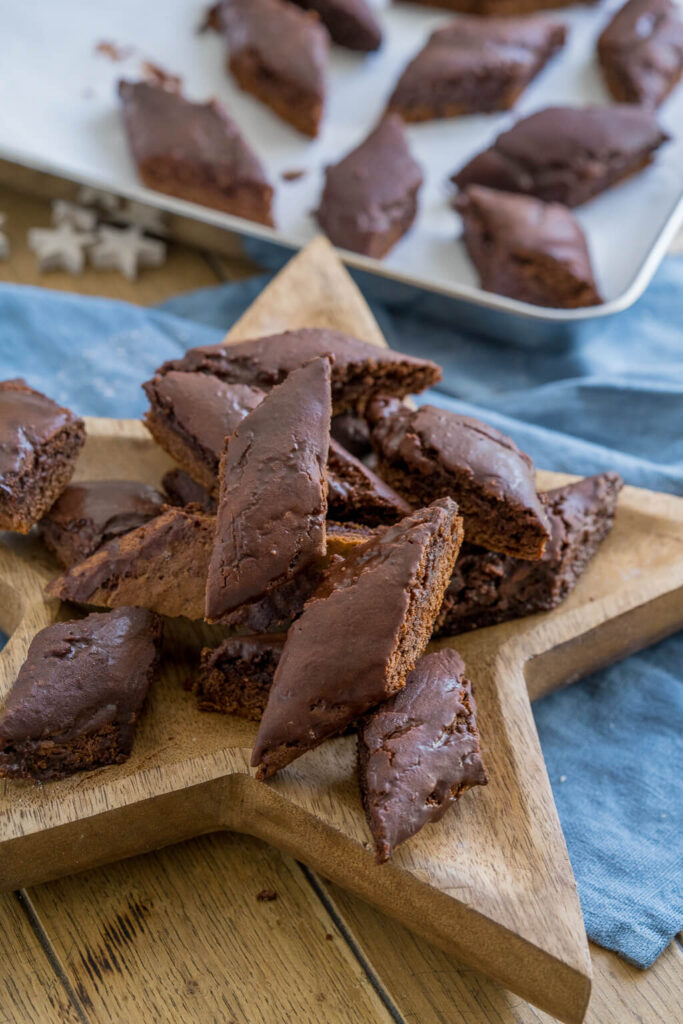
(492, 882)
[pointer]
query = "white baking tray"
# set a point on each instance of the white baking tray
(59, 113)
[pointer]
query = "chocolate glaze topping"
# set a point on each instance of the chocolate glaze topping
(273, 495)
(358, 638)
(80, 676)
(566, 154)
(430, 442)
(372, 189)
(28, 419)
(489, 8)
(284, 603)
(161, 123)
(574, 512)
(350, 23)
(473, 61)
(487, 588)
(147, 565)
(290, 43)
(91, 512)
(358, 367)
(419, 751)
(515, 240)
(641, 51)
(517, 40)
(201, 408)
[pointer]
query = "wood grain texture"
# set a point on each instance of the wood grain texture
(181, 936)
(426, 984)
(313, 290)
(30, 990)
(495, 888)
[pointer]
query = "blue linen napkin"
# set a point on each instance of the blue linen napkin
(613, 743)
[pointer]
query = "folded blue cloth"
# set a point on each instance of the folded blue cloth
(613, 743)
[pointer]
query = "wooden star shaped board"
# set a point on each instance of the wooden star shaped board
(491, 883)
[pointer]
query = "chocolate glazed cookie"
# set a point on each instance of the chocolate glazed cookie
(419, 751)
(566, 154)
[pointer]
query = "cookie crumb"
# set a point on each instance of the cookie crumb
(266, 895)
(113, 50)
(211, 22)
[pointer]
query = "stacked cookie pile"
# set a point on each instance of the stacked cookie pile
(329, 528)
(515, 198)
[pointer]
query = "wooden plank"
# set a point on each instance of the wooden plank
(428, 985)
(181, 936)
(184, 270)
(313, 290)
(30, 989)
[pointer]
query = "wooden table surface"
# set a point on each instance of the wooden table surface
(182, 936)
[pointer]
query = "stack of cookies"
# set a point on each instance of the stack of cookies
(330, 528)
